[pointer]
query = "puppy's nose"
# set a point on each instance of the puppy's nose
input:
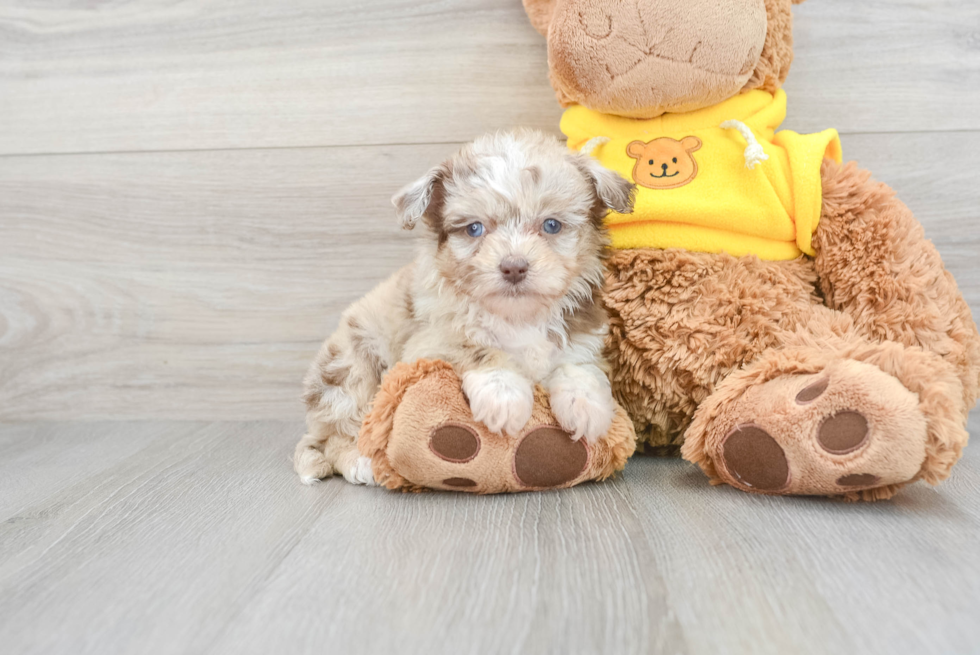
(514, 269)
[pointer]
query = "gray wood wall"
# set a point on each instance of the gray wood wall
(191, 192)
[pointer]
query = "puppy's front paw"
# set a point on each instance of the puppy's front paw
(499, 398)
(582, 403)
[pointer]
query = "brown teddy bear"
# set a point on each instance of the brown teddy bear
(777, 315)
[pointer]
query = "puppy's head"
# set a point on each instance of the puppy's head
(515, 221)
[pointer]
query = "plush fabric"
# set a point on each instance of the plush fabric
(843, 365)
(777, 51)
(641, 58)
(842, 362)
(707, 199)
(908, 400)
(696, 338)
(420, 434)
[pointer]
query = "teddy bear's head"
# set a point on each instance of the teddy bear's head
(643, 58)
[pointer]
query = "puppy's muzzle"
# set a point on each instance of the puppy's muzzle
(514, 269)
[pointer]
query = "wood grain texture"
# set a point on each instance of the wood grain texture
(199, 285)
(807, 575)
(170, 75)
(198, 538)
(202, 283)
(156, 553)
(213, 276)
(223, 195)
(885, 65)
(161, 74)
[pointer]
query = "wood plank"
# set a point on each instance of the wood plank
(762, 575)
(566, 572)
(203, 541)
(158, 75)
(163, 75)
(40, 460)
(180, 545)
(156, 554)
(199, 285)
(144, 273)
(885, 66)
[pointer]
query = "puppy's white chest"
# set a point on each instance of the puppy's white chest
(532, 350)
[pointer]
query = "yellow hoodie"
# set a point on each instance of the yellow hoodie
(708, 188)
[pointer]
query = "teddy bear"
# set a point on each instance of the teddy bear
(776, 316)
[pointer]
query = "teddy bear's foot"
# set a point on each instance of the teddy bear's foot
(448, 449)
(543, 457)
(421, 434)
(847, 428)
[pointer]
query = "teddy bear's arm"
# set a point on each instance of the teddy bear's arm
(876, 265)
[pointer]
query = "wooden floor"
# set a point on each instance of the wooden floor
(195, 537)
(190, 193)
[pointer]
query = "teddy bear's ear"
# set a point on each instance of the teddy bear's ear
(540, 13)
(615, 191)
(691, 143)
(635, 149)
(777, 51)
(415, 199)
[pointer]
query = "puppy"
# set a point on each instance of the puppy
(505, 288)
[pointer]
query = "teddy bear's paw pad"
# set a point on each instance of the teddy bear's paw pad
(858, 480)
(454, 443)
(843, 432)
(755, 458)
(547, 457)
(459, 483)
(848, 428)
(812, 391)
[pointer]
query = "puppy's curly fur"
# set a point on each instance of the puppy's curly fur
(505, 288)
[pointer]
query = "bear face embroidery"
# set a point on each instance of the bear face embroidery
(664, 163)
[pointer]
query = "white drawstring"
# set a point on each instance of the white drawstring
(754, 154)
(592, 144)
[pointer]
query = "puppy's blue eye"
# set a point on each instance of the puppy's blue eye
(552, 226)
(475, 229)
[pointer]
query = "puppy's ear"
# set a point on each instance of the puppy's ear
(419, 198)
(615, 191)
